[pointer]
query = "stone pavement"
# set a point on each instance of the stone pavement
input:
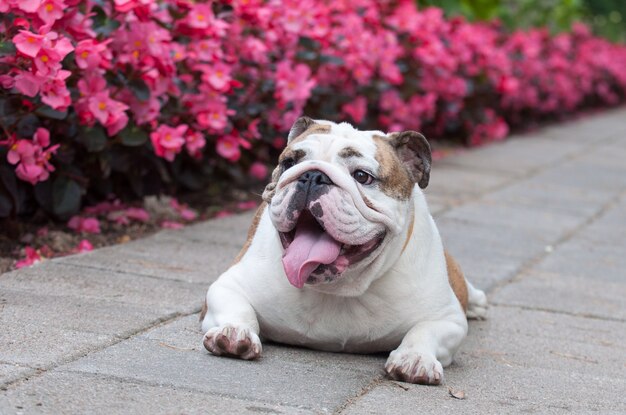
(538, 222)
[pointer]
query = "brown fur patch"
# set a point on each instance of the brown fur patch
(205, 308)
(313, 129)
(348, 152)
(251, 232)
(457, 280)
(395, 180)
(288, 152)
(408, 235)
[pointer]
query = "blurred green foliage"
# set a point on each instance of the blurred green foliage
(606, 17)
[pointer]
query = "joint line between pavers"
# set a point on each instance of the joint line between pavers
(364, 391)
(143, 382)
(525, 175)
(560, 312)
(528, 265)
(122, 272)
(169, 318)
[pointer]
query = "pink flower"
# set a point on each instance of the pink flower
(138, 214)
(218, 76)
(183, 210)
(54, 91)
(32, 257)
(29, 6)
(84, 225)
(195, 142)
(250, 204)
(91, 54)
(258, 171)
(356, 109)
(51, 10)
(108, 112)
(28, 43)
(166, 224)
(293, 83)
(223, 214)
(31, 158)
(228, 147)
(83, 246)
(168, 141)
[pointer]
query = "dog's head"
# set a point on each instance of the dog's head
(340, 199)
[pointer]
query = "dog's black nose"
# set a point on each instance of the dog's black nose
(315, 178)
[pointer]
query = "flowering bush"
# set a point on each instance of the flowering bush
(136, 97)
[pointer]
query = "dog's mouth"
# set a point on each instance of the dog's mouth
(312, 255)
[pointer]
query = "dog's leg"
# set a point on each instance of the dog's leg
(476, 303)
(230, 324)
(424, 349)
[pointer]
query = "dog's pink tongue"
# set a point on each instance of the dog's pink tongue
(311, 247)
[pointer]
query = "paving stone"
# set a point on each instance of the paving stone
(59, 279)
(79, 393)
(566, 293)
(520, 361)
(194, 256)
(585, 174)
(535, 193)
(283, 376)
(458, 183)
(488, 254)
(12, 371)
(516, 157)
(497, 389)
(540, 222)
(602, 263)
(40, 330)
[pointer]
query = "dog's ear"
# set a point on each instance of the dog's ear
(414, 151)
(301, 125)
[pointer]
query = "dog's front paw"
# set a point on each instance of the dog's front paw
(414, 367)
(233, 341)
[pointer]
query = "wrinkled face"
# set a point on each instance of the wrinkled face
(339, 196)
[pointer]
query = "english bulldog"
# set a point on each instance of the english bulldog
(344, 256)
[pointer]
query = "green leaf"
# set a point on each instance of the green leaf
(8, 192)
(27, 125)
(93, 139)
(133, 136)
(48, 112)
(308, 43)
(7, 48)
(66, 196)
(140, 89)
(334, 60)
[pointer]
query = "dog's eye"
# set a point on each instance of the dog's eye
(288, 163)
(362, 177)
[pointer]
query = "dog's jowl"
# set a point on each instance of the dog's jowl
(343, 255)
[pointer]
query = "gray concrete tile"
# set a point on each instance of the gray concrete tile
(585, 258)
(459, 183)
(60, 279)
(540, 222)
(488, 253)
(191, 257)
(12, 371)
(80, 393)
(520, 361)
(498, 389)
(40, 330)
(566, 293)
(517, 156)
(585, 174)
(535, 193)
(283, 376)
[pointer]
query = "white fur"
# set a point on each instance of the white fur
(402, 300)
